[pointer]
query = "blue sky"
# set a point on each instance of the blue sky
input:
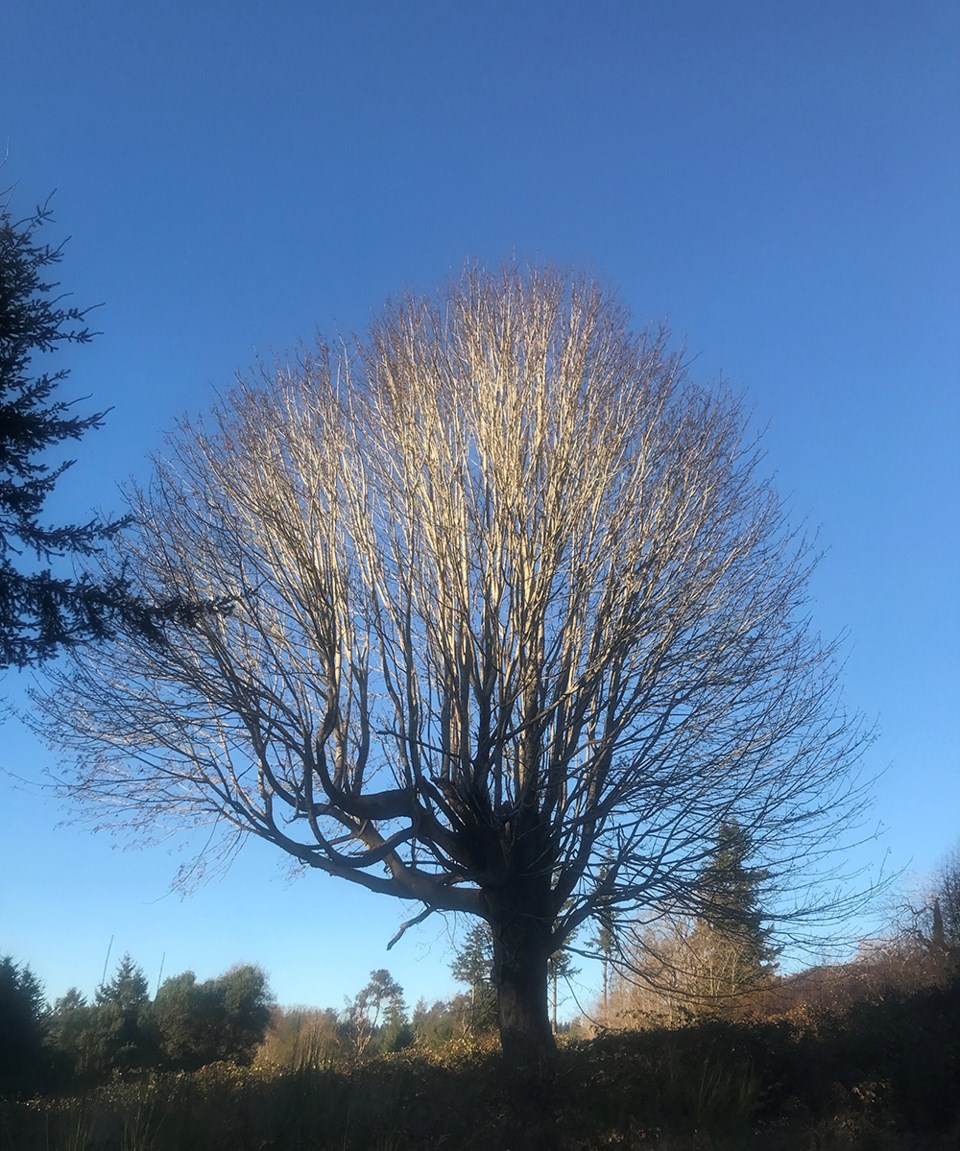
(779, 182)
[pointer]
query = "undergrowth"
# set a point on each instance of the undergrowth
(882, 1077)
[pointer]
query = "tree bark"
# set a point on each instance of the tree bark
(520, 954)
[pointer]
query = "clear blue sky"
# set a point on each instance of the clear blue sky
(778, 181)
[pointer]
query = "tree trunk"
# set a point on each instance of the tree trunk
(520, 953)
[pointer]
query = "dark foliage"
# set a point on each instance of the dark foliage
(938, 922)
(187, 1026)
(40, 611)
(222, 1019)
(885, 1076)
(731, 890)
(120, 1036)
(44, 606)
(23, 1058)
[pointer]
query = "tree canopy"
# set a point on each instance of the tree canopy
(516, 624)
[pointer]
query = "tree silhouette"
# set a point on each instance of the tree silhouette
(23, 1028)
(40, 610)
(121, 1036)
(222, 1019)
(516, 625)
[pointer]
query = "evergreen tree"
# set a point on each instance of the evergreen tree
(730, 943)
(605, 939)
(559, 966)
(71, 1032)
(122, 1035)
(23, 1027)
(473, 965)
(127, 989)
(396, 1032)
(944, 911)
(40, 611)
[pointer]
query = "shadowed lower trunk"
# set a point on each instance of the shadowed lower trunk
(520, 953)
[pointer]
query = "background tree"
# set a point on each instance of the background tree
(184, 1015)
(121, 1034)
(222, 1019)
(23, 1028)
(516, 626)
(245, 995)
(376, 1012)
(74, 1039)
(708, 964)
(559, 968)
(730, 950)
(302, 1037)
(40, 611)
(604, 942)
(395, 1032)
(655, 987)
(473, 965)
(923, 947)
(436, 1024)
(128, 989)
(939, 918)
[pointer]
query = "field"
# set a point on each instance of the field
(880, 1076)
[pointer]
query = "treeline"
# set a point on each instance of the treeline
(718, 968)
(376, 1021)
(76, 1043)
(190, 1024)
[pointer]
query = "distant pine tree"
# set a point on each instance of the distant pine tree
(376, 1012)
(473, 965)
(730, 943)
(128, 988)
(122, 1036)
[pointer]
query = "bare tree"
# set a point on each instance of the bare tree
(515, 625)
(943, 912)
(928, 928)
